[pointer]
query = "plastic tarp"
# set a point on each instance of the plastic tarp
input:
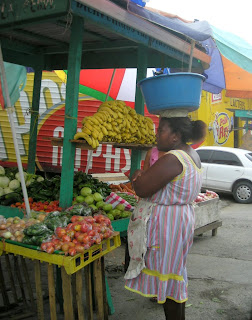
(231, 57)
(16, 80)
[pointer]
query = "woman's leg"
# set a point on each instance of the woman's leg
(127, 257)
(174, 310)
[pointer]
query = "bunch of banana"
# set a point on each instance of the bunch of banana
(116, 122)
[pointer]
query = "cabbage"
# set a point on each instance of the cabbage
(1, 193)
(4, 182)
(2, 171)
(14, 184)
(17, 176)
(7, 190)
(39, 179)
(28, 182)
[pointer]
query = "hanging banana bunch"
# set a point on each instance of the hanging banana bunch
(116, 122)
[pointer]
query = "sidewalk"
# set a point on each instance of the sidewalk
(219, 271)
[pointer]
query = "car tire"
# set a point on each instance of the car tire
(242, 192)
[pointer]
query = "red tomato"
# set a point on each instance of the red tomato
(66, 238)
(60, 232)
(72, 252)
(50, 249)
(91, 233)
(85, 227)
(74, 218)
(79, 248)
(71, 233)
(65, 247)
(86, 239)
(80, 237)
(69, 226)
(43, 246)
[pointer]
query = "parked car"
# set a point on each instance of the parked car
(227, 170)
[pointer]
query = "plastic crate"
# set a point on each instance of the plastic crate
(71, 264)
(120, 225)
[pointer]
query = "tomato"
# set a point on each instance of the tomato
(75, 241)
(71, 233)
(77, 227)
(69, 226)
(43, 246)
(85, 227)
(65, 247)
(86, 239)
(74, 218)
(60, 232)
(72, 252)
(58, 245)
(79, 248)
(50, 249)
(80, 237)
(91, 233)
(66, 238)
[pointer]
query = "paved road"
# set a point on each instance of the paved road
(219, 270)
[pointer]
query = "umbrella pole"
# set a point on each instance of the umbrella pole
(191, 55)
(13, 129)
(90, 155)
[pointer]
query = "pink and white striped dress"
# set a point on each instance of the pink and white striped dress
(170, 231)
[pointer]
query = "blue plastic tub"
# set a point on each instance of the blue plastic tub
(170, 91)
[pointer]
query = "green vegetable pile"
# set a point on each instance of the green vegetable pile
(131, 199)
(82, 180)
(40, 232)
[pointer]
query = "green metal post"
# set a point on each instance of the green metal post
(139, 103)
(34, 120)
(71, 111)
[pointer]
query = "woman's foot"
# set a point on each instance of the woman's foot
(153, 299)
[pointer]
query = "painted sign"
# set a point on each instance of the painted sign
(221, 127)
(51, 124)
(216, 97)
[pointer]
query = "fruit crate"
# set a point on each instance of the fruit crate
(71, 264)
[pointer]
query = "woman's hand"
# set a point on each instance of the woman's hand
(136, 174)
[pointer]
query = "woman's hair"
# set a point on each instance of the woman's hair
(190, 131)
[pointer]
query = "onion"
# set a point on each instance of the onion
(3, 226)
(7, 235)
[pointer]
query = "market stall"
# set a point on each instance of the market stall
(63, 34)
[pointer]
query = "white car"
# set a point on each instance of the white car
(227, 170)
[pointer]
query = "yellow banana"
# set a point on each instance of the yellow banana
(95, 133)
(89, 126)
(86, 130)
(100, 136)
(95, 121)
(104, 131)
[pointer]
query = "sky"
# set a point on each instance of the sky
(229, 15)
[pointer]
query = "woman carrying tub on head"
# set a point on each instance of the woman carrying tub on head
(161, 228)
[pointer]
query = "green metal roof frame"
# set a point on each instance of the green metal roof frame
(36, 33)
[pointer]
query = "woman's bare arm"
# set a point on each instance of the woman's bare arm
(147, 160)
(157, 176)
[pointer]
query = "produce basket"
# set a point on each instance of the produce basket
(71, 264)
(169, 91)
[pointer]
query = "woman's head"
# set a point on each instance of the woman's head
(173, 132)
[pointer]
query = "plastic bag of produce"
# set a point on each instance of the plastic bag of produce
(56, 222)
(37, 229)
(114, 199)
(81, 209)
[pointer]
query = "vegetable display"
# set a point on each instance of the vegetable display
(122, 187)
(79, 235)
(131, 199)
